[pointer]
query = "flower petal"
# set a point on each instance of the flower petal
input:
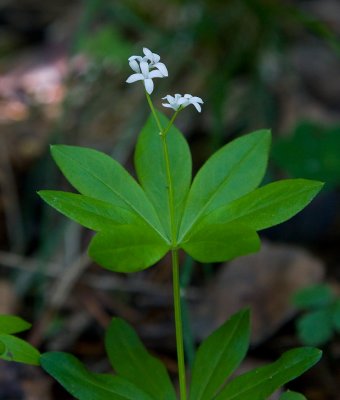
(155, 74)
(196, 99)
(148, 85)
(197, 106)
(134, 77)
(183, 101)
(147, 52)
(144, 66)
(167, 105)
(162, 68)
(155, 58)
(168, 97)
(138, 58)
(134, 65)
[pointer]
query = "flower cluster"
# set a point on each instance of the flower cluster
(179, 101)
(147, 68)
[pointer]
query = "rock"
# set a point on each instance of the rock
(265, 282)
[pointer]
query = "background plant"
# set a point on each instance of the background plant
(320, 321)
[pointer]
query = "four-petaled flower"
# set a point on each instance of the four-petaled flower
(173, 101)
(177, 101)
(145, 75)
(147, 68)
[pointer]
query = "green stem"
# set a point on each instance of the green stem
(171, 122)
(179, 325)
(170, 192)
(154, 113)
(174, 251)
(162, 131)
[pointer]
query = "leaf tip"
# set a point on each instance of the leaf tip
(53, 148)
(264, 134)
(44, 195)
(116, 321)
(57, 148)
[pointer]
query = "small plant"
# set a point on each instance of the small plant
(215, 218)
(321, 319)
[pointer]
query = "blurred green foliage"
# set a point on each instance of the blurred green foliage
(313, 152)
(219, 43)
(321, 319)
(107, 45)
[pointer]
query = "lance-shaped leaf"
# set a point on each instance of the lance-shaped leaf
(97, 175)
(151, 169)
(269, 205)
(131, 360)
(221, 242)
(128, 248)
(15, 349)
(289, 395)
(91, 213)
(261, 382)
(231, 172)
(219, 355)
(12, 324)
(85, 385)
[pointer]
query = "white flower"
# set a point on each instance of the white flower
(154, 61)
(145, 75)
(173, 101)
(177, 101)
(147, 68)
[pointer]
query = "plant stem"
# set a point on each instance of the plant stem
(174, 251)
(178, 324)
(162, 131)
(154, 113)
(170, 192)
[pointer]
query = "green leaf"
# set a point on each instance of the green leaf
(85, 385)
(127, 248)
(12, 324)
(2, 348)
(91, 213)
(261, 382)
(315, 328)
(231, 172)
(151, 170)
(336, 315)
(18, 350)
(131, 360)
(289, 395)
(99, 176)
(221, 242)
(269, 205)
(219, 355)
(315, 296)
